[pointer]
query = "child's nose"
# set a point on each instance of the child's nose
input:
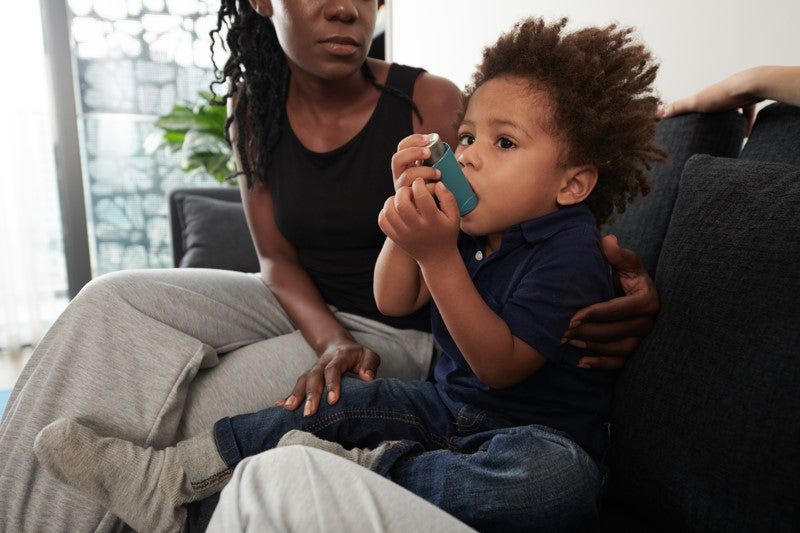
(468, 156)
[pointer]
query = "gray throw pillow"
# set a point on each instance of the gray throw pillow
(215, 235)
(706, 431)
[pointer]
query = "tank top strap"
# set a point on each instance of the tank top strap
(402, 78)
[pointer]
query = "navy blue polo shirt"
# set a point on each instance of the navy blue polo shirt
(545, 270)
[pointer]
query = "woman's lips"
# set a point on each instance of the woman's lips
(340, 46)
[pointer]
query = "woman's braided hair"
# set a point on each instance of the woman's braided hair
(599, 84)
(256, 68)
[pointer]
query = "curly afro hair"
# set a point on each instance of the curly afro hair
(599, 83)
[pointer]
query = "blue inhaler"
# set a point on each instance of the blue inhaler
(453, 178)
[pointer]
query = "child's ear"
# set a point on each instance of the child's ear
(577, 184)
(262, 7)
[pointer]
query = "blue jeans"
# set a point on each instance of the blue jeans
(464, 460)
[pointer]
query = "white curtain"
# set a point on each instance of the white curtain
(33, 283)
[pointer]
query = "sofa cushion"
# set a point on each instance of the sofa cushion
(705, 423)
(215, 235)
(643, 224)
(775, 136)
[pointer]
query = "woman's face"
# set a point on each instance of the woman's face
(328, 39)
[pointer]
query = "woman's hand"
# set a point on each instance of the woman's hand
(613, 329)
(344, 355)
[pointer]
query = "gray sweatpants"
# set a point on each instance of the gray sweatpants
(304, 490)
(154, 357)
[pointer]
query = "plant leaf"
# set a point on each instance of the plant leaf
(180, 118)
(203, 141)
(198, 133)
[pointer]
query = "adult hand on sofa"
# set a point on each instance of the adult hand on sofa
(742, 90)
(346, 355)
(613, 329)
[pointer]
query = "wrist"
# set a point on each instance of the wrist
(323, 342)
(444, 260)
(751, 82)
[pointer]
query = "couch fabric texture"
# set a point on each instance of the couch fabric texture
(706, 432)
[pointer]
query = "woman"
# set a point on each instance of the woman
(151, 356)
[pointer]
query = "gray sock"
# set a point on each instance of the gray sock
(146, 488)
(205, 469)
(363, 456)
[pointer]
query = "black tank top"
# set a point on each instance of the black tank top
(327, 204)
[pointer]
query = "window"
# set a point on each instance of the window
(131, 61)
(33, 282)
(134, 59)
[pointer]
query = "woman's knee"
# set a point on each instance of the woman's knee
(114, 285)
(147, 291)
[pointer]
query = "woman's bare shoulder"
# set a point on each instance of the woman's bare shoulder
(439, 101)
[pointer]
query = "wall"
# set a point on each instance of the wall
(696, 41)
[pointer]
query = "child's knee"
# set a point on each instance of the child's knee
(565, 483)
(553, 481)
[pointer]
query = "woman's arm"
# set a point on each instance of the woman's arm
(338, 351)
(742, 90)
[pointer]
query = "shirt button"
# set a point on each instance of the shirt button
(478, 255)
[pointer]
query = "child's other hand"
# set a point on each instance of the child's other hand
(407, 162)
(413, 221)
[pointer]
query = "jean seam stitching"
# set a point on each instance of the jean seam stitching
(380, 414)
(466, 426)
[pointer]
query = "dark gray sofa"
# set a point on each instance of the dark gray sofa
(706, 419)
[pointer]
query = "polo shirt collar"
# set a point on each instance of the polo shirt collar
(541, 228)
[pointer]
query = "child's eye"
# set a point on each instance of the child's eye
(465, 139)
(505, 143)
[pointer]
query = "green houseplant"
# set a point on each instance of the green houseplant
(197, 132)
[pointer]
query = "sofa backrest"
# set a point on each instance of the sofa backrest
(705, 426)
(644, 223)
(776, 135)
